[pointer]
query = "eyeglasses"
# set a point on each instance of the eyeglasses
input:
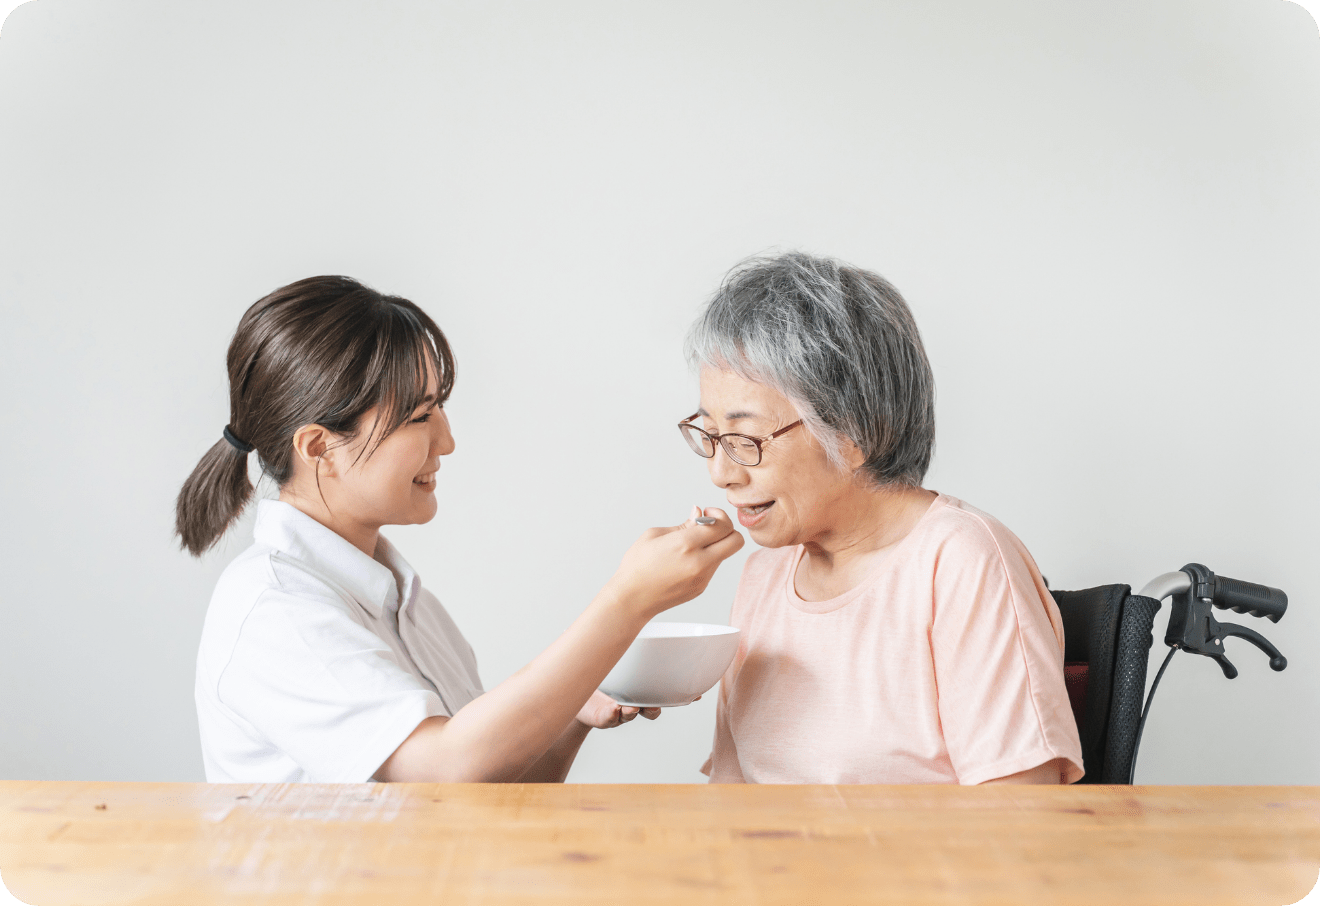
(741, 448)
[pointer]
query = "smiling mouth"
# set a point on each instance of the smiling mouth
(425, 479)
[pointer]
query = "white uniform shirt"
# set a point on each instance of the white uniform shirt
(317, 661)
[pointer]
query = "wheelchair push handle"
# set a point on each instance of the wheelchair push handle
(1249, 598)
(1195, 590)
(1221, 591)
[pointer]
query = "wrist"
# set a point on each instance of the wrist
(624, 604)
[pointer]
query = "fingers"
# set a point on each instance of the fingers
(668, 566)
(616, 716)
(728, 545)
(691, 522)
(603, 712)
(714, 524)
(718, 526)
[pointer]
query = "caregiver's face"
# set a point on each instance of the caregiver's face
(396, 484)
(789, 497)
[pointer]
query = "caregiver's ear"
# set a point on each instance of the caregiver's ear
(312, 442)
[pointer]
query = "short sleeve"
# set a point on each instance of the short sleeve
(321, 687)
(1003, 704)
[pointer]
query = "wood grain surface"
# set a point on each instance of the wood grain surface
(157, 843)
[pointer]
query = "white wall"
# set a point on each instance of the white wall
(1105, 217)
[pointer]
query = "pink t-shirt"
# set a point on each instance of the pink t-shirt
(945, 665)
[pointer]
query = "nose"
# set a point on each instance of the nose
(724, 472)
(442, 440)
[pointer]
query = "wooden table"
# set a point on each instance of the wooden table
(160, 843)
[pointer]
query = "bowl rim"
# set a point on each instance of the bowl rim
(647, 631)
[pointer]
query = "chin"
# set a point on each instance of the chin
(768, 538)
(414, 515)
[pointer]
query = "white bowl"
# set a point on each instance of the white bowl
(671, 664)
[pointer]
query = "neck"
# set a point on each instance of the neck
(869, 521)
(363, 537)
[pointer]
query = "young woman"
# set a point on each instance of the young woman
(322, 656)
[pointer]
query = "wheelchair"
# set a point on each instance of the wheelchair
(1108, 633)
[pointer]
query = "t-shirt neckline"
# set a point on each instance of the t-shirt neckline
(840, 601)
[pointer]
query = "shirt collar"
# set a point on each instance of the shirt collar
(371, 582)
(409, 582)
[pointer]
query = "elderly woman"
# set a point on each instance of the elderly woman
(890, 634)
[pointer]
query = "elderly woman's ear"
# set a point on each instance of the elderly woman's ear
(853, 457)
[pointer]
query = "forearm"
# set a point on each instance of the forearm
(554, 765)
(502, 734)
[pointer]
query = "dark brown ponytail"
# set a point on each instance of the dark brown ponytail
(320, 351)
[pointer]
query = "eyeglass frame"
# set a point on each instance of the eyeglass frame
(718, 440)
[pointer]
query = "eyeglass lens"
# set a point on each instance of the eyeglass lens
(742, 450)
(698, 440)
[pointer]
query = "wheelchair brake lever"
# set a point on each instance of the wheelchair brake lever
(1224, 630)
(1193, 628)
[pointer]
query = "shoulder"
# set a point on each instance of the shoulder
(958, 530)
(979, 562)
(261, 572)
(264, 589)
(241, 585)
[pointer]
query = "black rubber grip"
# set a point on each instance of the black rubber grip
(1248, 597)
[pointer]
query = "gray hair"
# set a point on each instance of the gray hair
(841, 344)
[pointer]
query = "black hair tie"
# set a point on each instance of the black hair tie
(237, 442)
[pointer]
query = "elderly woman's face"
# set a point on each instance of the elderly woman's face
(795, 494)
